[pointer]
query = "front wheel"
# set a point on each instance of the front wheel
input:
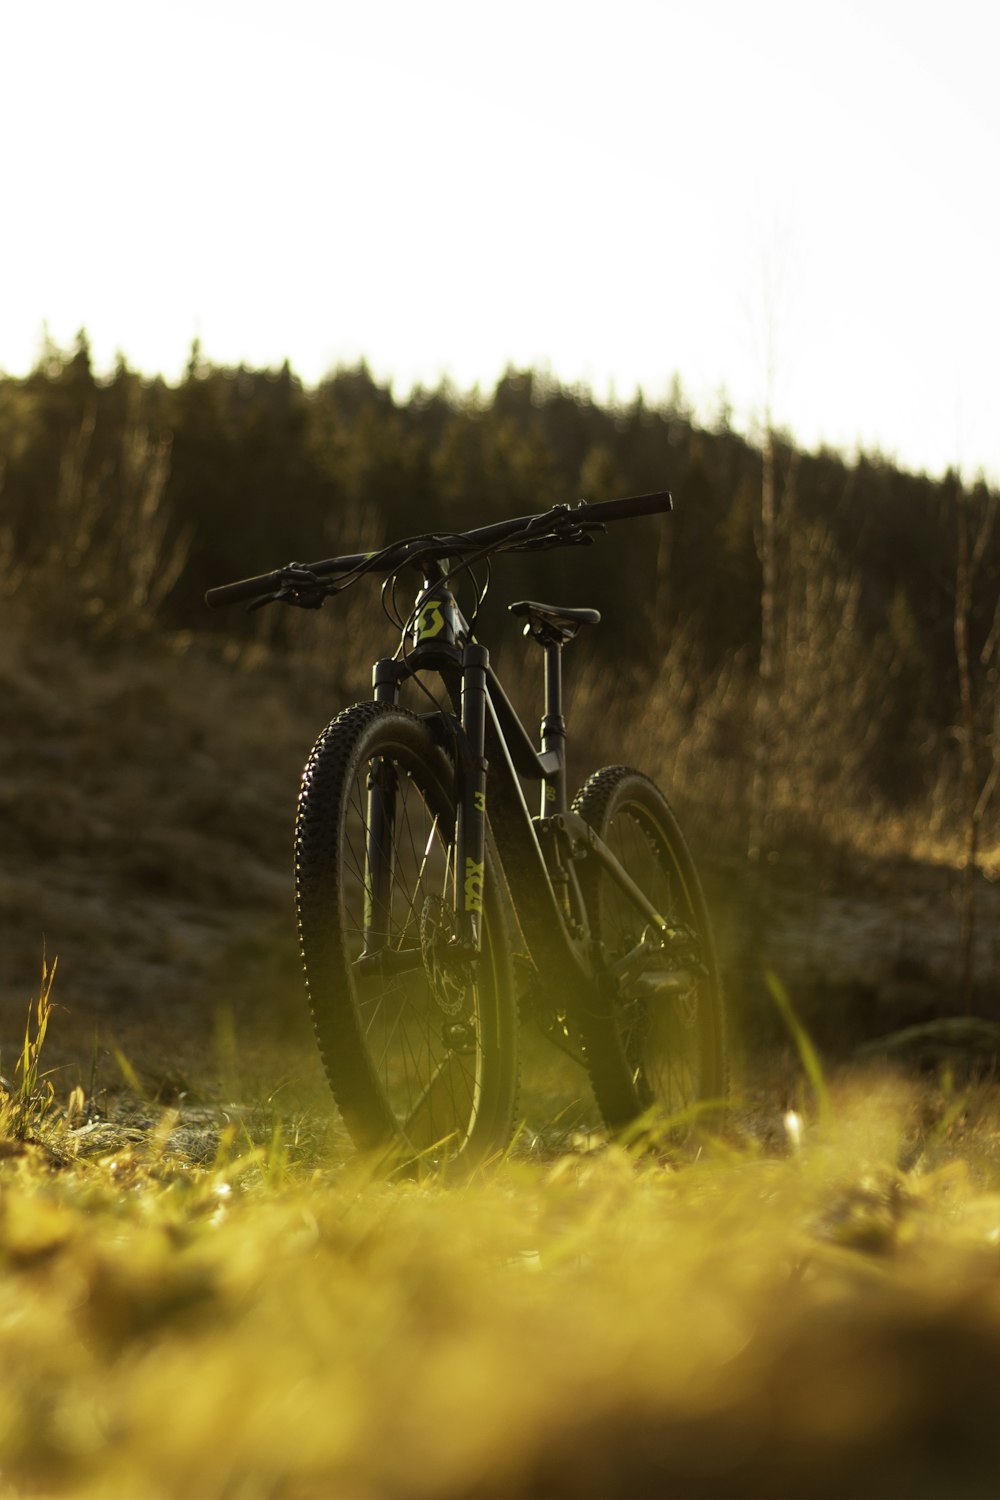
(419, 1043)
(656, 1045)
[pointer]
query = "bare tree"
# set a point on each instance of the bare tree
(768, 535)
(766, 700)
(114, 554)
(977, 789)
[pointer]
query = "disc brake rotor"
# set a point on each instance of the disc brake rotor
(448, 976)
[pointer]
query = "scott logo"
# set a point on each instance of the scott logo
(430, 621)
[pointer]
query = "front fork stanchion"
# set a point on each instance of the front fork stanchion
(385, 681)
(381, 823)
(470, 864)
(379, 850)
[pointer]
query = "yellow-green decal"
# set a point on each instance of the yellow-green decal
(479, 798)
(431, 621)
(474, 885)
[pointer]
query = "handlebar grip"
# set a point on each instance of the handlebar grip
(245, 588)
(635, 505)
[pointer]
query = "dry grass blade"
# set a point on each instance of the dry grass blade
(808, 1055)
(32, 1094)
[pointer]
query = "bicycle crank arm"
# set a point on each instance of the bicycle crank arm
(660, 985)
(653, 950)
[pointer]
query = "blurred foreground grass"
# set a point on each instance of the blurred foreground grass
(820, 1318)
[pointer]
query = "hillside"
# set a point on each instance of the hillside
(147, 797)
(821, 687)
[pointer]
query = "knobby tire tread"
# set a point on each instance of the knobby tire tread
(347, 743)
(606, 1064)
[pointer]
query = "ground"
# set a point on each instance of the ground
(204, 1292)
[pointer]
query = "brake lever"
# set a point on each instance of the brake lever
(299, 587)
(580, 535)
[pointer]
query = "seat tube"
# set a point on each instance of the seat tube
(553, 731)
(470, 872)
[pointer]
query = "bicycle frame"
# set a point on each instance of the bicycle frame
(486, 735)
(487, 892)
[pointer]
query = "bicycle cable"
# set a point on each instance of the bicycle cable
(464, 565)
(404, 623)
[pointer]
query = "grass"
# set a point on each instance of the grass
(201, 1301)
(32, 1094)
(818, 1317)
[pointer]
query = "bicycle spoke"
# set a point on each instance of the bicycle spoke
(448, 1080)
(662, 1043)
(431, 1089)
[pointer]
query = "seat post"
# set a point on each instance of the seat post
(553, 730)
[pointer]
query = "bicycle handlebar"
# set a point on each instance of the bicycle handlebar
(265, 583)
(544, 524)
(623, 510)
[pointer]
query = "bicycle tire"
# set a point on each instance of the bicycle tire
(654, 1055)
(423, 1068)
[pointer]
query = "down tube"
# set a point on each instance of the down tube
(470, 872)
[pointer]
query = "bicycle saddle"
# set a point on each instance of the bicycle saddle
(552, 623)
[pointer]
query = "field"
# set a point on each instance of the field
(818, 1314)
(206, 1294)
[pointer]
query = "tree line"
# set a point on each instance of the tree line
(125, 496)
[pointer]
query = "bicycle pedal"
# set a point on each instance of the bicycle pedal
(662, 985)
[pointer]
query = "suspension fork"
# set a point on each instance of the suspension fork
(470, 839)
(383, 785)
(469, 874)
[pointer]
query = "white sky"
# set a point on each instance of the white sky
(612, 191)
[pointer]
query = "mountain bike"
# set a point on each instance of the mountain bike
(435, 909)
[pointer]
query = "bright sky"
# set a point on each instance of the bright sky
(614, 191)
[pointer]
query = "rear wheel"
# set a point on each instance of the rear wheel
(657, 1043)
(420, 1046)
